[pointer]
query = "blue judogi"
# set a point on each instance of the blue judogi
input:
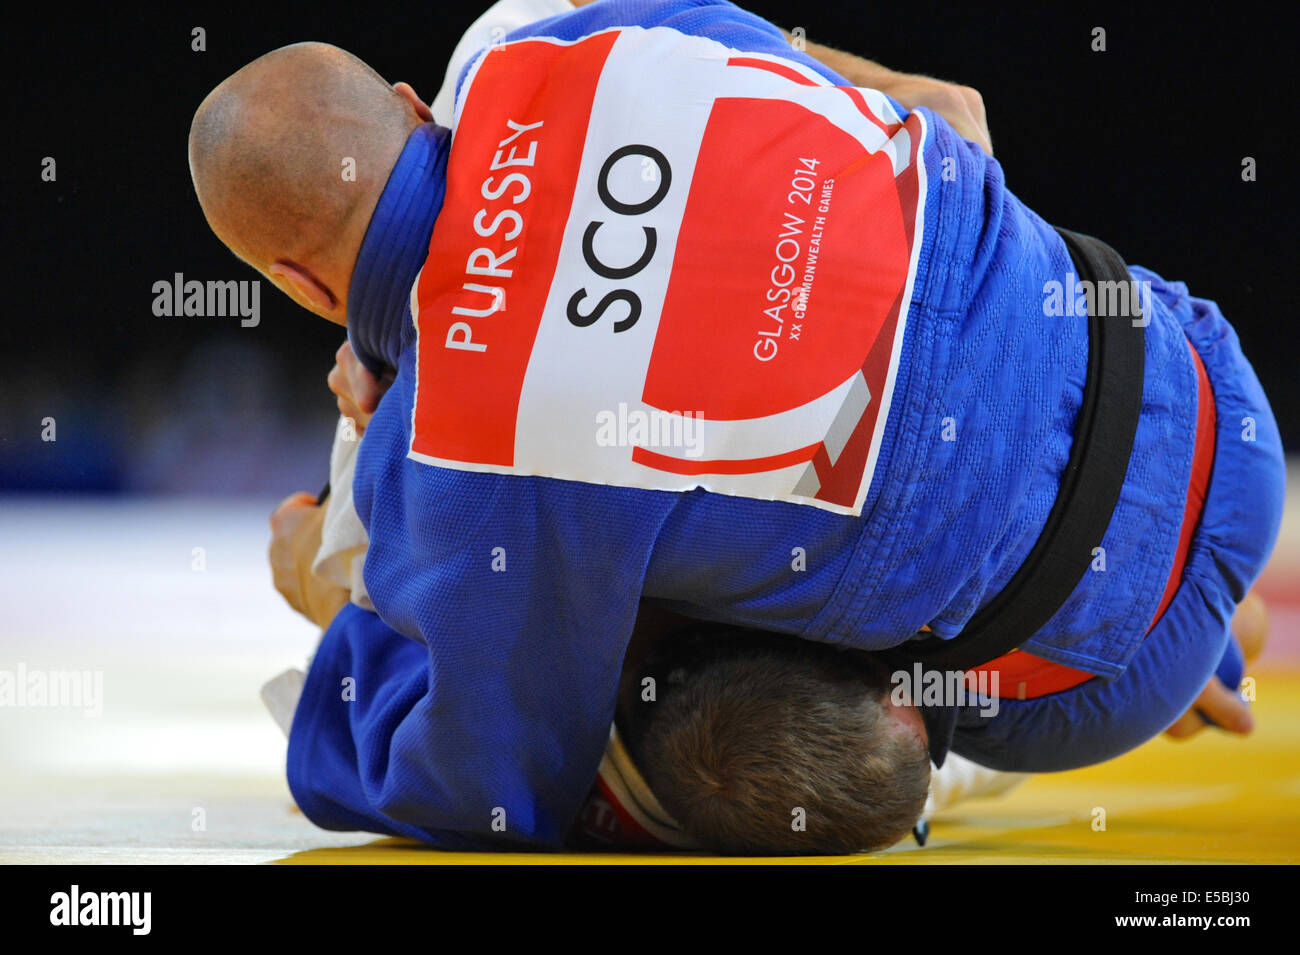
(483, 698)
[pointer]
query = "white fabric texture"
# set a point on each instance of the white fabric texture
(501, 18)
(959, 779)
(343, 539)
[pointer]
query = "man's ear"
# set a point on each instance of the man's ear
(413, 98)
(308, 287)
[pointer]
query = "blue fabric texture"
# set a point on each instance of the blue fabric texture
(395, 246)
(485, 696)
(1103, 718)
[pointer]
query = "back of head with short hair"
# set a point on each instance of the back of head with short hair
(767, 745)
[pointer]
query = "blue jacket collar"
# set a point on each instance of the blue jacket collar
(395, 247)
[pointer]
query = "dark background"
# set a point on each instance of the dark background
(1141, 145)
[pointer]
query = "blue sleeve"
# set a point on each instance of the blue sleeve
(488, 736)
(364, 692)
(485, 694)
(715, 19)
(1105, 718)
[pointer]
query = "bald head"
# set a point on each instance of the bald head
(273, 150)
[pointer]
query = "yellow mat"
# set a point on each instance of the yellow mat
(1215, 798)
(183, 764)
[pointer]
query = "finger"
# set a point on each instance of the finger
(976, 133)
(1250, 626)
(1225, 708)
(966, 126)
(364, 387)
(975, 103)
(338, 383)
(1186, 726)
(359, 419)
(296, 499)
(349, 378)
(288, 506)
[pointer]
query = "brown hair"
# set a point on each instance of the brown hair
(767, 745)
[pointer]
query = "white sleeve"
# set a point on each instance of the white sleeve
(281, 696)
(501, 18)
(960, 779)
(343, 538)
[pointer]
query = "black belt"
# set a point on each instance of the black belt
(1090, 483)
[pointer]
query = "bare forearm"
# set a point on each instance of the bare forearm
(961, 106)
(857, 70)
